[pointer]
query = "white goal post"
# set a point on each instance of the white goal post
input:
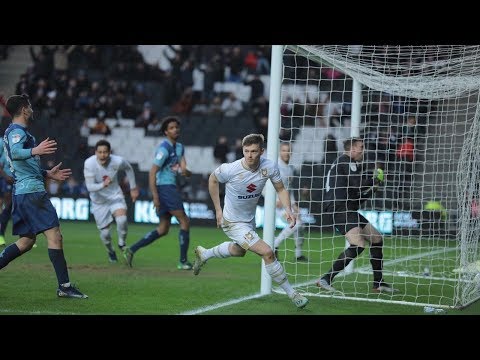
(417, 109)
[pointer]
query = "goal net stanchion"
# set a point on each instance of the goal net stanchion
(419, 119)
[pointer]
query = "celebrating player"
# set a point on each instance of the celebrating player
(108, 202)
(245, 180)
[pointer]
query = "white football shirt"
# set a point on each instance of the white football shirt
(244, 186)
(94, 174)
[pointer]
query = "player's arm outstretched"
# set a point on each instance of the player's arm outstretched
(152, 184)
(214, 190)
(284, 197)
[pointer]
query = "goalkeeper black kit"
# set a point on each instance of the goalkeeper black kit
(345, 184)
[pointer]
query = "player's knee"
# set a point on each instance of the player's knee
(269, 256)
(353, 251)
(105, 235)
(122, 224)
(184, 222)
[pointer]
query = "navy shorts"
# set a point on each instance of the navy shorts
(33, 213)
(345, 221)
(170, 199)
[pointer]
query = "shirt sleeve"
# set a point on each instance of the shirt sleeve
(130, 173)
(16, 139)
(275, 177)
(90, 183)
(160, 156)
(222, 173)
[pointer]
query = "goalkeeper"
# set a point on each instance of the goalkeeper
(345, 189)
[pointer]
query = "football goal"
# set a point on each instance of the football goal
(417, 110)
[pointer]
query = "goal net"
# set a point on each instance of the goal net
(418, 114)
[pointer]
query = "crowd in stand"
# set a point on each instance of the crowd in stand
(68, 84)
(72, 83)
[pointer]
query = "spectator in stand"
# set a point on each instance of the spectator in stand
(216, 106)
(251, 61)
(85, 129)
(220, 150)
(155, 125)
(257, 87)
(101, 127)
(145, 117)
(231, 106)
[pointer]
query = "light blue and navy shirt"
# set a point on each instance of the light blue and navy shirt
(167, 158)
(3, 159)
(29, 177)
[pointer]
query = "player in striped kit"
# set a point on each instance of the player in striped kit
(245, 180)
(106, 195)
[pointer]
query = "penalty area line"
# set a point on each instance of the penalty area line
(220, 305)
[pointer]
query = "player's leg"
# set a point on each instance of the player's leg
(183, 238)
(120, 216)
(274, 268)
(4, 218)
(349, 224)
(298, 235)
(161, 230)
(103, 219)
(376, 259)
(4, 213)
(41, 216)
(19, 247)
(236, 232)
(57, 258)
(21, 227)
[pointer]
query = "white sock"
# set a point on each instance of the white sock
(298, 241)
(276, 271)
(284, 234)
(122, 228)
(106, 238)
(220, 251)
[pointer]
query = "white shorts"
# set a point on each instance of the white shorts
(241, 233)
(103, 213)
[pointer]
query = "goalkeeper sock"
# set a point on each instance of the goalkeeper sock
(376, 259)
(146, 240)
(342, 261)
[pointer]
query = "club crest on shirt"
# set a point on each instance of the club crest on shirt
(16, 138)
(159, 156)
(248, 236)
(264, 172)
(353, 166)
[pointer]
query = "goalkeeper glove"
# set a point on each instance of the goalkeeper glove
(378, 175)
